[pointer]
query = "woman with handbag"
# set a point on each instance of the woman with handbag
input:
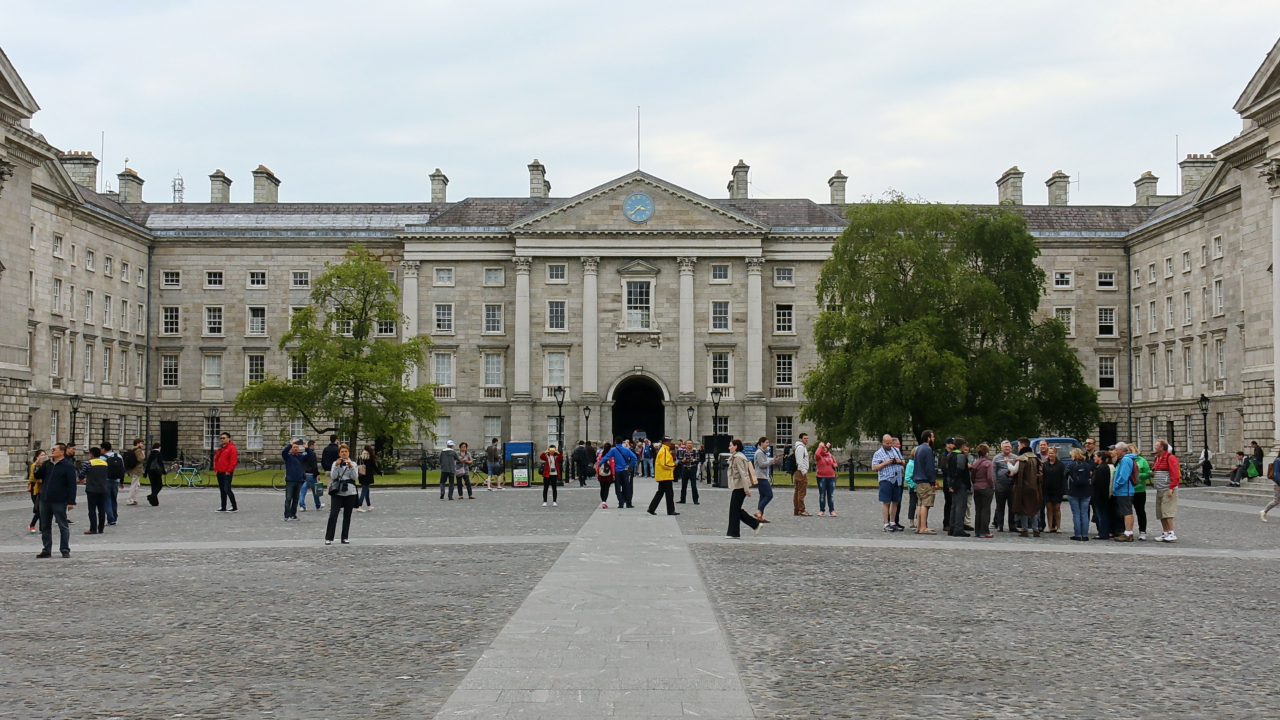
(155, 474)
(33, 487)
(742, 478)
(367, 468)
(344, 497)
(604, 474)
(551, 461)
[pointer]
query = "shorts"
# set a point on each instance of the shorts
(1166, 504)
(924, 494)
(890, 492)
(1124, 505)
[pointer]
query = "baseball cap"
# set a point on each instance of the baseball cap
(449, 444)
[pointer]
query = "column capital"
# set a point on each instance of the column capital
(755, 265)
(686, 264)
(409, 268)
(590, 265)
(523, 264)
(1269, 171)
(6, 172)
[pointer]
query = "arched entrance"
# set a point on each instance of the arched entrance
(637, 405)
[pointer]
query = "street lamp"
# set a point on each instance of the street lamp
(211, 414)
(75, 409)
(1205, 466)
(716, 394)
(586, 411)
(690, 412)
(558, 393)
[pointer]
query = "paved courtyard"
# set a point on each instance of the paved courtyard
(498, 607)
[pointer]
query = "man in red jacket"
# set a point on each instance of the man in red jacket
(224, 464)
(1165, 476)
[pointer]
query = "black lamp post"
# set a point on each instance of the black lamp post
(210, 414)
(75, 410)
(1205, 466)
(558, 392)
(716, 394)
(690, 412)
(586, 412)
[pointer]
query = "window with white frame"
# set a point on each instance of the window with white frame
(639, 304)
(1062, 279)
(1152, 316)
(124, 315)
(1218, 300)
(444, 277)
(1186, 261)
(107, 357)
(294, 310)
(386, 327)
(139, 318)
(142, 276)
(257, 279)
(256, 319)
(1168, 267)
(1106, 280)
(1204, 303)
(57, 244)
(444, 429)
(444, 317)
(1168, 311)
(88, 306)
(212, 370)
(88, 362)
(168, 371)
(106, 311)
(557, 369)
(720, 425)
(720, 368)
(784, 319)
(71, 302)
(297, 368)
(1222, 432)
(553, 430)
(171, 279)
(56, 297)
(1204, 255)
(255, 368)
(212, 319)
(213, 279)
(557, 273)
(555, 315)
(1106, 372)
(1153, 369)
(494, 277)
(783, 427)
(1137, 278)
(90, 260)
(122, 370)
(1135, 370)
(1204, 362)
(1186, 307)
(1187, 367)
(1217, 246)
(55, 355)
(1220, 355)
(1151, 273)
(1168, 366)
(493, 370)
(124, 271)
(784, 276)
(443, 367)
(53, 427)
(1066, 316)
(1137, 319)
(719, 315)
(108, 265)
(719, 272)
(344, 327)
(297, 429)
(139, 362)
(169, 322)
(253, 434)
(784, 369)
(493, 318)
(1106, 321)
(492, 426)
(300, 279)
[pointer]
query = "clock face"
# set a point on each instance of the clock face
(638, 207)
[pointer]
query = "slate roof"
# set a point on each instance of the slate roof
(800, 212)
(492, 212)
(105, 203)
(207, 214)
(1069, 218)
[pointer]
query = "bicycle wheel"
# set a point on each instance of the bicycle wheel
(172, 479)
(277, 481)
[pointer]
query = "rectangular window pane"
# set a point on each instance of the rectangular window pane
(169, 324)
(106, 365)
(556, 362)
(555, 272)
(638, 305)
(1062, 279)
(720, 315)
(721, 425)
(1186, 364)
(171, 279)
(169, 370)
(783, 426)
(257, 321)
(106, 311)
(386, 327)
(88, 363)
(719, 368)
(301, 278)
(444, 276)
(783, 319)
(1168, 366)
(493, 318)
(555, 315)
(1186, 307)
(1168, 311)
(55, 355)
(784, 369)
(444, 317)
(213, 371)
(213, 320)
(297, 367)
(443, 369)
(57, 298)
(1106, 280)
(493, 276)
(256, 368)
(492, 426)
(1064, 316)
(253, 434)
(720, 272)
(784, 276)
(1218, 300)
(492, 370)
(1106, 372)
(213, 279)
(257, 278)
(1107, 321)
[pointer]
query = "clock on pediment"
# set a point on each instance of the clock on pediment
(638, 207)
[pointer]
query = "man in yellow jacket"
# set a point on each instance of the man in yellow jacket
(664, 471)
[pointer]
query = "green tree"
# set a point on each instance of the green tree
(353, 381)
(929, 323)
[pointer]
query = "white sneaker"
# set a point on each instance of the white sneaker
(1171, 538)
(544, 504)
(1263, 515)
(555, 504)
(1142, 536)
(604, 505)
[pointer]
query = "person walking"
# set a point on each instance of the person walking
(1122, 489)
(1103, 472)
(329, 456)
(155, 474)
(97, 491)
(311, 485)
(57, 495)
(741, 478)
(1273, 473)
(984, 491)
(492, 463)
(448, 470)
(1079, 491)
(801, 475)
(664, 472)
(34, 483)
(343, 496)
(551, 462)
(134, 458)
(924, 471)
(367, 469)
(295, 477)
(225, 461)
(604, 473)
(824, 466)
(1054, 473)
(1028, 495)
(583, 463)
(1166, 475)
(687, 467)
(463, 471)
(115, 475)
(888, 465)
(763, 463)
(959, 485)
(1142, 476)
(624, 463)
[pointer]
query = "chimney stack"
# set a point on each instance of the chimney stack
(82, 167)
(219, 187)
(538, 185)
(1195, 170)
(1009, 186)
(439, 183)
(266, 186)
(836, 183)
(1059, 185)
(738, 186)
(130, 187)
(1145, 189)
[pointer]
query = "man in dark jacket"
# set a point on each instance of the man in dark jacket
(924, 473)
(582, 459)
(57, 494)
(115, 475)
(310, 465)
(330, 455)
(958, 485)
(295, 477)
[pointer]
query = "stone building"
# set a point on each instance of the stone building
(638, 297)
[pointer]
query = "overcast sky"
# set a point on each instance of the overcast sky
(360, 101)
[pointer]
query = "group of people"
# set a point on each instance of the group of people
(1028, 487)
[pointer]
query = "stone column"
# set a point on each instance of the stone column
(687, 315)
(590, 326)
(1270, 171)
(755, 329)
(409, 306)
(521, 405)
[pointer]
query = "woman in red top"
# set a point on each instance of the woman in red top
(604, 474)
(551, 471)
(825, 467)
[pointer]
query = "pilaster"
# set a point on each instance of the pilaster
(521, 382)
(687, 314)
(1270, 172)
(755, 329)
(590, 328)
(409, 308)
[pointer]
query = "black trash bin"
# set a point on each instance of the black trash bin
(722, 470)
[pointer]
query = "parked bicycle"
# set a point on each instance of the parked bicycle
(186, 474)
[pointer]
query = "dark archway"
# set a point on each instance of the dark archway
(637, 405)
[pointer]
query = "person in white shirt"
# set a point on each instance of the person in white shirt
(801, 475)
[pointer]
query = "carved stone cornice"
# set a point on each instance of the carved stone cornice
(523, 265)
(639, 338)
(6, 172)
(1270, 172)
(686, 264)
(590, 265)
(409, 268)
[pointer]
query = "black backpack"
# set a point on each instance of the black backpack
(115, 467)
(130, 460)
(789, 463)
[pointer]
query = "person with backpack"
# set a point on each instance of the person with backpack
(959, 485)
(1079, 491)
(493, 465)
(1166, 475)
(1122, 489)
(115, 475)
(97, 490)
(133, 461)
(625, 463)
(155, 474)
(800, 475)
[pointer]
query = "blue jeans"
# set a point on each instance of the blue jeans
(364, 495)
(766, 494)
(313, 486)
(99, 502)
(1079, 515)
(292, 489)
(826, 494)
(112, 506)
(648, 467)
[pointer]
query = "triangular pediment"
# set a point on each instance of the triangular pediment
(14, 95)
(638, 268)
(599, 211)
(1263, 90)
